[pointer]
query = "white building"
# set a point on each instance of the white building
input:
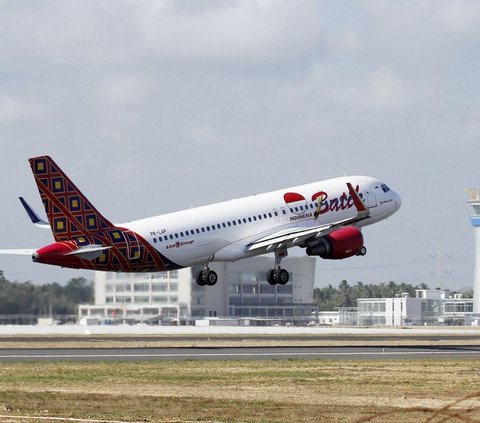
(425, 308)
(242, 292)
(431, 307)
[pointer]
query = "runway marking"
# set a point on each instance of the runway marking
(220, 354)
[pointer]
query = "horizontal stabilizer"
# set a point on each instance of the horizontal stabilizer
(34, 217)
(89, 252)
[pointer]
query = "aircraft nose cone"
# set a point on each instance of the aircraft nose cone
(35, 257)
(397, 200)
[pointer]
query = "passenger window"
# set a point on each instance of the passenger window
(249, 219)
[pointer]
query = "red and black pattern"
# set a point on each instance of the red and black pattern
(76, 223)
(69, 212)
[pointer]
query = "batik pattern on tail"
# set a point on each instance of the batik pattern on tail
(74, 220)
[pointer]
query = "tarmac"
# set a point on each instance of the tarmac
(26, 330)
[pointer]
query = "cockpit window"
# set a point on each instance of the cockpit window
(385, 188)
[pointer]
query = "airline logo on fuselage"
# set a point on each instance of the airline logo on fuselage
(298, 204)
(180, 244)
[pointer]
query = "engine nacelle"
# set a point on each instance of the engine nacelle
(339, 244)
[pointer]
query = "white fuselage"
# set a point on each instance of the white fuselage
(222, 231)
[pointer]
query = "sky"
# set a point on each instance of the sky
(155, 105)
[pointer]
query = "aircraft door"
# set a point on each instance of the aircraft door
(371, 198)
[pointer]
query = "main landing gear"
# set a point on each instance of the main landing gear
(206, 277)
(277, 275)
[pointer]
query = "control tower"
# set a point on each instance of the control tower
(474, 201)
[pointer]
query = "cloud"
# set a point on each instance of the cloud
(143, 100)
(15, 110)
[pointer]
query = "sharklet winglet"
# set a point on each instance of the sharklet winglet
(34, 217)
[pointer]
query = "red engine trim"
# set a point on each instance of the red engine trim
(342, 243)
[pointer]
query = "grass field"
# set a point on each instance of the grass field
(244, 391)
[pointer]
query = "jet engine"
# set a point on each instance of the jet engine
(339, 244)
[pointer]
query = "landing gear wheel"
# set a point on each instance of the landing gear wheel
(362, 251)
(206, 277)
(199, 279)
(281, 276)
(271, 277)
(210, 277)
(277, 276)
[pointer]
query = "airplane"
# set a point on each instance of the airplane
(325, 218)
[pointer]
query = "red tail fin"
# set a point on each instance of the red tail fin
(69, 212)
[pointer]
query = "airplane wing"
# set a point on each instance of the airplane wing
(34, 217)
(19, 252)
(297, 237)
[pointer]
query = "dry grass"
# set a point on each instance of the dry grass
(246, 391)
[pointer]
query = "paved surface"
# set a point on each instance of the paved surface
(140, 354)
(138, 330)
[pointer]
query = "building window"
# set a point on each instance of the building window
(284, 289)
(142, 299)
(160, 287)
(141, 287)
(121, 299)
(163, 299)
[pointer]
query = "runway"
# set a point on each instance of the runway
(235, 353)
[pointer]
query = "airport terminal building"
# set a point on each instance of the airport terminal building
(175, 298)
(428, 307)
